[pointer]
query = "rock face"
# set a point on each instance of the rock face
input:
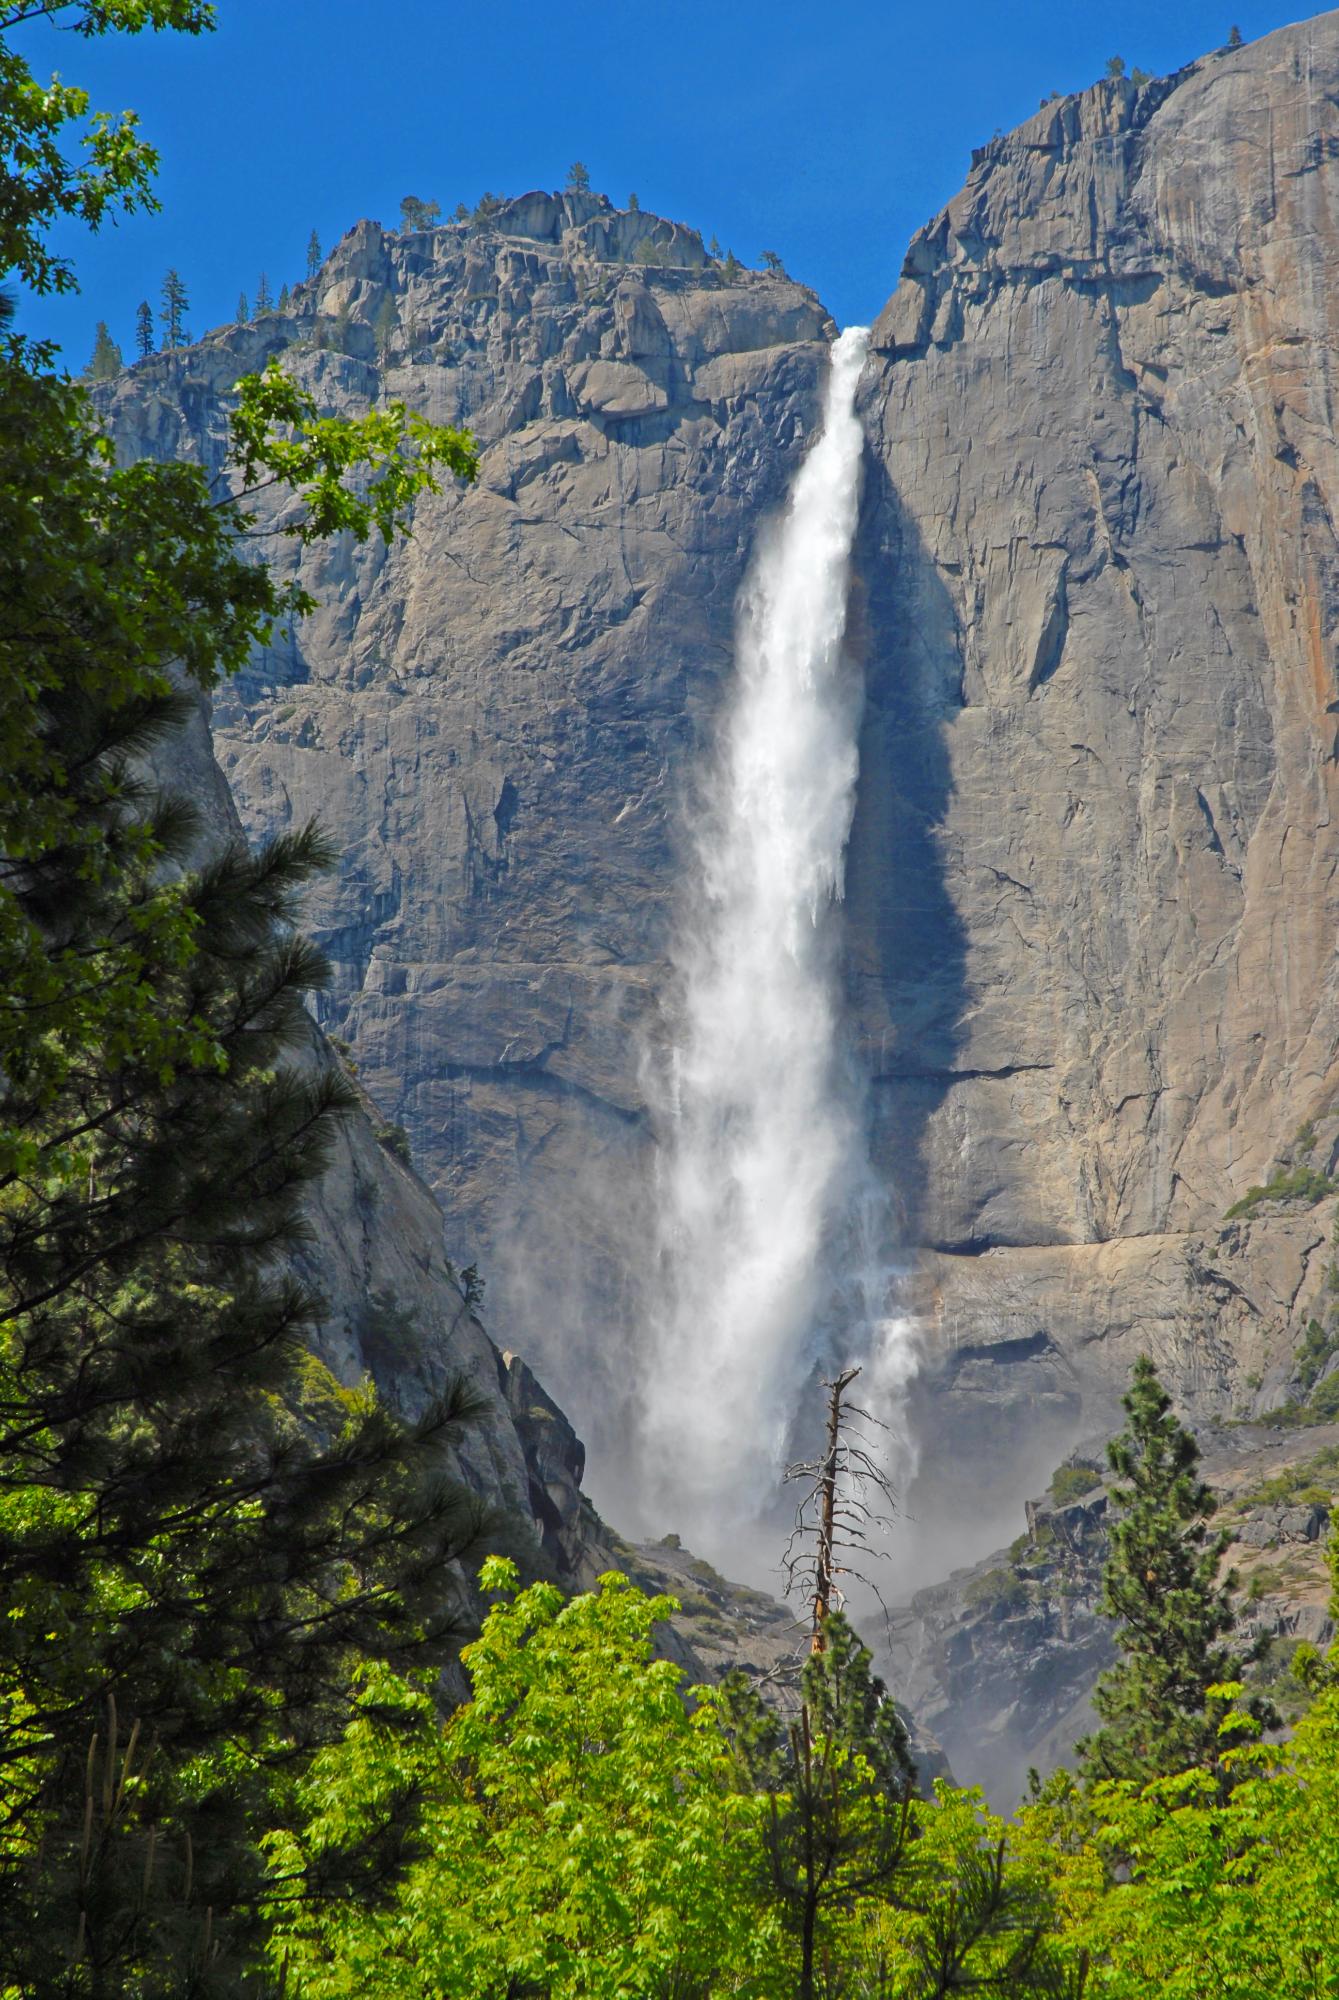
(1091, 894)
(491, 718)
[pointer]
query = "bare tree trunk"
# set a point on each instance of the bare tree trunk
(827, 1511)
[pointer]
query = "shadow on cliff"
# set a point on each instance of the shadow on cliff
(980, 1426)
(906, 956)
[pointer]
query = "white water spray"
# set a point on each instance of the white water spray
(764, 1183)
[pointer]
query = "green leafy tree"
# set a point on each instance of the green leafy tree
(732, 269)
(313, 255)
(772, 262)
(1225, 1892)
(579, 1834)
(172, 312)
(198, 1527)
(106, 358)
(264, 298)
(416, 214)
(460, 213)
(578, 178)
(143, 329)
(39, 184)
(486, 207)
(1115, 68)
(175, 1537)
(1173, 1612)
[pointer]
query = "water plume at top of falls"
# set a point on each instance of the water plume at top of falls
(763, 1180)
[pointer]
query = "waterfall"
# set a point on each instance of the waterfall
(766, 1251)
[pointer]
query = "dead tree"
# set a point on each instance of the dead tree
(846, 1500)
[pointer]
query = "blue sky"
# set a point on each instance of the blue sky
(828, 133)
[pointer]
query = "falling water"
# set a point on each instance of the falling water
(765, 1191)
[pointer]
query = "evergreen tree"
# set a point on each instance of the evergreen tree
(634, 206)
(460, 213)
(1173, 1613)
(714, 247)
(416, 214)
(171, 316)
(143, 329)
(1115, 69)
(313, 255)
(1234, 37)
(264, 302)
(198, 1527)
(283, 299)
(384, 325)
(578, 178)
(732, 269)
(106, 359)
(243, 309)
(772, 262)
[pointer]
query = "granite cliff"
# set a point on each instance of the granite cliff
(1091, 896)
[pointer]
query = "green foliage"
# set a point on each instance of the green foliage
(279, 438)
(264, 302)
(172, 313)
(999, 1591)
(645, 252)
(732, 269)
(773, 263)
(578, 178)
(384, 327)
(396, 1140)
(1289, 1184)
(1115, 68)
(143, 328)
(106, 359)
(283, 304)
(634, 206)
(198, 1527)
(1233, 1896)
(1072, 1482)
(578, 1834)
(39, 184)
(1234, 37)
(313, 255)
(584, 1831)
(1173, 1613)
(416, 214)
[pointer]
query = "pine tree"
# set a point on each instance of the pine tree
(732, 269)
(578, 178)
(313, 255)
(714, 247)
(283, 300)
(106, 358)
(172, 314)
(384, 325)
(416, 214)
(1234, 37)
(772, 262)
(1173, 1612)
(243, 309)
(143, 329)
(634, 206)
(264, 302)
(198, 1527)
